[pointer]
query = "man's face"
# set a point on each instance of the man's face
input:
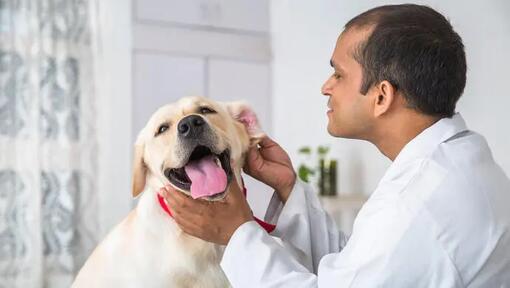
(349, 112)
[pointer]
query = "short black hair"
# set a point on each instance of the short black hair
(416, 49)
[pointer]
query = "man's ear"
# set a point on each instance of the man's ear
(243, 113)
(139, 170)
(384, 98)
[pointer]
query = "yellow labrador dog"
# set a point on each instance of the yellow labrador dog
(198, 146)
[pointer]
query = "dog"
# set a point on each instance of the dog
(198, 146)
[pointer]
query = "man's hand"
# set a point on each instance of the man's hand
(211, 221)
(217, 221)
(271, 165)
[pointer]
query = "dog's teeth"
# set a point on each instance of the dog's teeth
(217, 161)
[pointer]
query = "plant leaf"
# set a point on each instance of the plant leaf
(305, 150)
(323, 150)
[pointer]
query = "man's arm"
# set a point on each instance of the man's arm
(253, 258)
(302, 224)
(389, 248)
(271, 165)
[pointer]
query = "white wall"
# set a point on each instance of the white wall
(113, 71)
(303, 37)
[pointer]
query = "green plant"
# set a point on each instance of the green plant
(305, 171)
(322, 151)
(325, 169)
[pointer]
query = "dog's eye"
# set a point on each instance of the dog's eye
(162, 129)
(206, 110)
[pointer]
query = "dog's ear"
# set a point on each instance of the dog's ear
(139, 170)
(243, 113)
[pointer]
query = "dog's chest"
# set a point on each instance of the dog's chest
(190, 263)
(179, 260)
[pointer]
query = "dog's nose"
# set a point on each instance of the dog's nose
(190, 126)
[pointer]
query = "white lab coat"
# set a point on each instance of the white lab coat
(440, 217)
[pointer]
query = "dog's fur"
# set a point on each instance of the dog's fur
(148, 249)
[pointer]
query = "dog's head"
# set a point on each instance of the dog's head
(196, 144)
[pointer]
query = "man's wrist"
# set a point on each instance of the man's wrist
(236, 230)
(284, 192)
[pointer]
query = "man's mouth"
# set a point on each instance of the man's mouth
(205, 174)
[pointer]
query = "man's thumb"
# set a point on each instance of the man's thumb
(254, 162)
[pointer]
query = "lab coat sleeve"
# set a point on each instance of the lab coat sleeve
(253, 258)
(304, 227)
(291, 255)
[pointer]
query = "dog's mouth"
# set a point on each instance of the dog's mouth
(205, 174)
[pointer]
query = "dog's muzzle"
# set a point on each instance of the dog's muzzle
(205, 171)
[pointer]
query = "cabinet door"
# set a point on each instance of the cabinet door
(231, 80)
(161, 79)
(243, 14)
(252, 15)
(249, 81)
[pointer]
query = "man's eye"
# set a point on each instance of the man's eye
(162, 129)
(206, 110)
(336, 75)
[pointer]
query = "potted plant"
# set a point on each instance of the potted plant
(325, 168)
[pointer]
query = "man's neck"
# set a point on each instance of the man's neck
(397, 132)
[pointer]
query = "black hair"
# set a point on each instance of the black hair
(416, 49)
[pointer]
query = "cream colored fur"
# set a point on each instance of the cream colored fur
(148, 249)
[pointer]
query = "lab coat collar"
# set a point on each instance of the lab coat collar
(425, 143)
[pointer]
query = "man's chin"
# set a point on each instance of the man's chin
(334, 131)
(340, 133)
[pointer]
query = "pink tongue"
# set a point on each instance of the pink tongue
(207, 178)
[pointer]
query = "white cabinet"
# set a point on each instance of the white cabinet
(199, 42)
(244, 14)
(175, 11)
(251, 15)
(161, 79)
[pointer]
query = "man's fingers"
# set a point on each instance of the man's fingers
(254, 162)
(211, 221)
(253, 154)
(193, 209)
(179, 203)
(173, 197)
(267, 142)
(186, 211)
(189, 227)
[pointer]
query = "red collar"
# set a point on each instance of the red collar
(267, 226)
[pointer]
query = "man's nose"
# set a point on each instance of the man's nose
(326, 87)
(191, 126)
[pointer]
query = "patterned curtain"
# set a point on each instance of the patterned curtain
(48, 198)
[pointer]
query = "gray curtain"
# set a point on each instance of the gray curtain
(48, 199)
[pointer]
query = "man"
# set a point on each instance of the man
(439, 216)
